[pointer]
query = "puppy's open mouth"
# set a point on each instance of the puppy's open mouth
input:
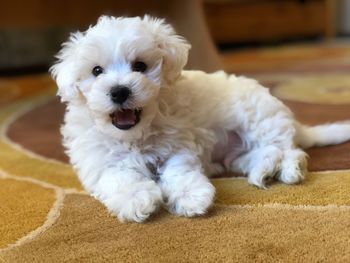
(125, 119)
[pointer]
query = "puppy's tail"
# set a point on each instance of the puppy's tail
(322, 135)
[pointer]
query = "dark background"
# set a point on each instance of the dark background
(31, 31)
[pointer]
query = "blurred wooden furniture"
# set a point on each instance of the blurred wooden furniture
(31, 31)
(241, 21)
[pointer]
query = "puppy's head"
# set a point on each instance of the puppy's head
(116, 69)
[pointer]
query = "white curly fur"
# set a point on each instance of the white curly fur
(192, 124)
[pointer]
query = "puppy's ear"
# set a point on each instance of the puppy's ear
(175, 47)
(64, 71)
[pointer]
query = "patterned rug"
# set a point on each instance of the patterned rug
(46, 216)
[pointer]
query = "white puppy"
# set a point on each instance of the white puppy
(140, 131)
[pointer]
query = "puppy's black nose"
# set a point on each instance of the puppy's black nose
(119, 94)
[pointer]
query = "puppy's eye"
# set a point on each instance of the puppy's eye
(139, 66)
(97, 71)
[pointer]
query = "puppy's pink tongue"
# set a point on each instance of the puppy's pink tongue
(125, 117)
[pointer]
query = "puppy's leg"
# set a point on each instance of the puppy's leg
(131, 199)
(288, 165)
(186, 189)
(293, 167)
(123, 187)
(259, 164)
(268, 130)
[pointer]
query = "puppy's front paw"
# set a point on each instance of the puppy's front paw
(136, 203)
(192, 200)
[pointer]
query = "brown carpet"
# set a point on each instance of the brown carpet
(46, 217)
